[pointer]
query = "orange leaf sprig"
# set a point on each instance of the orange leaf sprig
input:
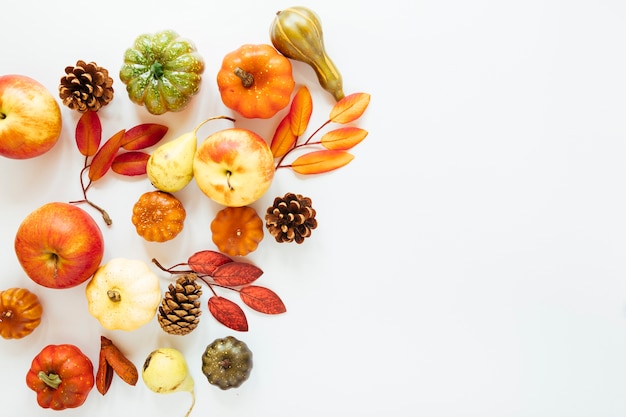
(334, 144)
(217, 270)
(121, 153)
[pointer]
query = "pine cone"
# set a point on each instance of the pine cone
(86, 87)
(291, 218)
(179, 312)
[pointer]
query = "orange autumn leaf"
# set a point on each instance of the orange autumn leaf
(207, 261)
(131, 163)
(317, 162)
(236, 273)
(283, 139)
(228, 313)
(143, 136)
(103, 159)
(349, 108)
(300, 111)
(262, 300)
(88, 133)
(343, 138)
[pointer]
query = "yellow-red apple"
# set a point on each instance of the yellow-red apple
(30, 117)
(234, 167)
(59, 245)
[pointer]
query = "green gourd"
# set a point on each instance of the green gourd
(296, 32)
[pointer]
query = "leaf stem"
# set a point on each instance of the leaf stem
(326, 123)
(297, 145)
(105, 215)
(171, 269)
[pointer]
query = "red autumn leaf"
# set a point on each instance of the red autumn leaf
(228, 313)
(262, 300)
(143, 136)
(236, 273)
(103, 159)
(88, 133)
(207, 261)
(300, 111)
(349, 108)
(130, 163)
(343, 138)
(283, 139)
(317, 162)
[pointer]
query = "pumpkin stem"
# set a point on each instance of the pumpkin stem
(247, 79)
(51, 380)
(114, 296)
(157, 70)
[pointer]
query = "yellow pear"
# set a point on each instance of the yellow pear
(170, 166)
(165, 371)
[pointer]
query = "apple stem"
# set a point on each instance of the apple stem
(228, 174)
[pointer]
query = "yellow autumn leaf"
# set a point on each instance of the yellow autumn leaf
(283, 139)
(349, 108)
(300, 111)
(318, 162)
(343, 138)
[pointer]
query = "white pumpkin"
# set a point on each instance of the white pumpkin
(123, 294)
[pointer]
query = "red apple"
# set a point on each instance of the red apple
(30, 118)
(59, 245)
(234, 167)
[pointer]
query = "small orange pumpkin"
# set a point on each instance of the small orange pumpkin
(237, 231)
(20, 313)
(158, 216)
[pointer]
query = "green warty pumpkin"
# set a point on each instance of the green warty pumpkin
(162, 71)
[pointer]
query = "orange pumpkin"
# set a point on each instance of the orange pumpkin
(158, 216)
(237, 231)
(20, 313)
(256, 81)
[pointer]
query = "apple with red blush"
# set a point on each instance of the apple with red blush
(234, 167)
(30, 117)
(59, 245)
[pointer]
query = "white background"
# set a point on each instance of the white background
(468, 262)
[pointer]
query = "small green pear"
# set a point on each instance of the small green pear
(165, 371)
(170, 166)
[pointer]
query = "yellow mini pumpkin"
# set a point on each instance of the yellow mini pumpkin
(20, 313)
(123, 294)
(158, 216)
(237, 231)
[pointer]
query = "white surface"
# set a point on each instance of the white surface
(468, 262)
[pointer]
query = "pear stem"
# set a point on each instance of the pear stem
(195, 131)
(193, 402)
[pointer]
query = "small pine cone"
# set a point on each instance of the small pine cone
(179, 312)
(291, 218)
(86, 87)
